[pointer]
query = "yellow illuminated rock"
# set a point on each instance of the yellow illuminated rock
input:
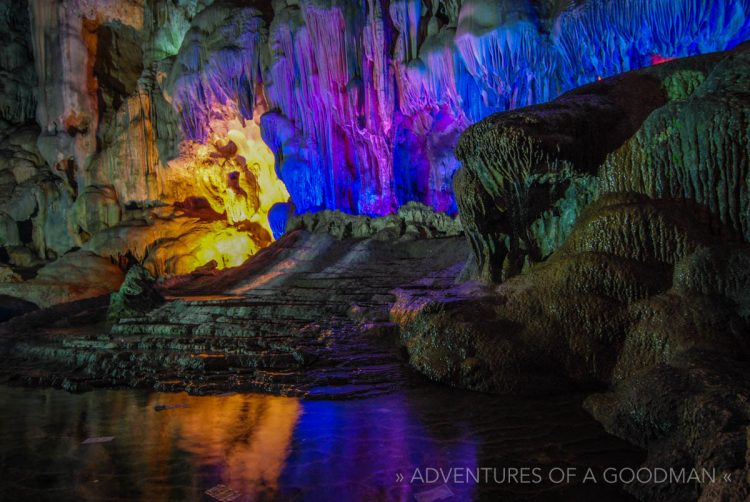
(234, 172)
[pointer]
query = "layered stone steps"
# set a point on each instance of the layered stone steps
(249, 344)
(319, 329)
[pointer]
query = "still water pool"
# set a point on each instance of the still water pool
(158, 447)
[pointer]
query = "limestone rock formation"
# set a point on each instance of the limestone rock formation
(114, 108)
(74, 276)
(413, 220)
(610, 307)
(570, 138)
(136, 296)
(644, 299)
(608, 228)
(97, 208)
(684, 150)
(376, 110)
(170, 241)
(307, 317)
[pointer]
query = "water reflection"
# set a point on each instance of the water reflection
(275, 448)
(357, 450)
(175, 454)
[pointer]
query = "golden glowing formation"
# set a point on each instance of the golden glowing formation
(202, 244)
(232, 174)
(242, 441)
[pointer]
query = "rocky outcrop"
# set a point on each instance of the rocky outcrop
(643, 297)
(612, 307)
(137, 295)
(412, 221)
(519, 167)
(74, 276)
(684, 150)
(171, 241)
(308, 316)
(692, 413)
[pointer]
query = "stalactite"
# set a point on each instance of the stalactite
(367, 96)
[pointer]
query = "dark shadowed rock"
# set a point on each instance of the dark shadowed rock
(643, 295)
(11, 307)
(694, 147)
(137, 295)
(572, 137)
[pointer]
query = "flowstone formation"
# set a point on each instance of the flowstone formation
(190, 132)
(111, 180)
(308, 316)
(609, 239)
(369, 99)
(369, 102)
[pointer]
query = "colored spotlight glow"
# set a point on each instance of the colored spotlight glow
(233, 172)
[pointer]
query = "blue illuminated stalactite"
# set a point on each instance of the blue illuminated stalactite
(355, 98)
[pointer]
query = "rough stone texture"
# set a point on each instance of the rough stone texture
(8, 275)
(612, 307)
(8, 231)
(307, 316)
(136, 296)
(685, 150)
(692, 413)
(645, 299)
(97, 208)
(366, 118)
(570, 137)
(74, 276)
(170, 241)
(412, 221)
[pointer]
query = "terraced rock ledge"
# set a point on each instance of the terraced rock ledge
(307, 317)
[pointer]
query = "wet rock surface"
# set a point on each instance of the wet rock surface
(643, 300)
(613, 311)
(308, 316)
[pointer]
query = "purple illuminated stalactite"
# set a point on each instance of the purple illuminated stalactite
(206, 76)
(368, 98)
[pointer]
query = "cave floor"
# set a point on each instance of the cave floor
(308, 317)
(270, 356)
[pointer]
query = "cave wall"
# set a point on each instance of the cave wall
(247, 111)
(672, 131)
(371, 96)
(361, 103)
